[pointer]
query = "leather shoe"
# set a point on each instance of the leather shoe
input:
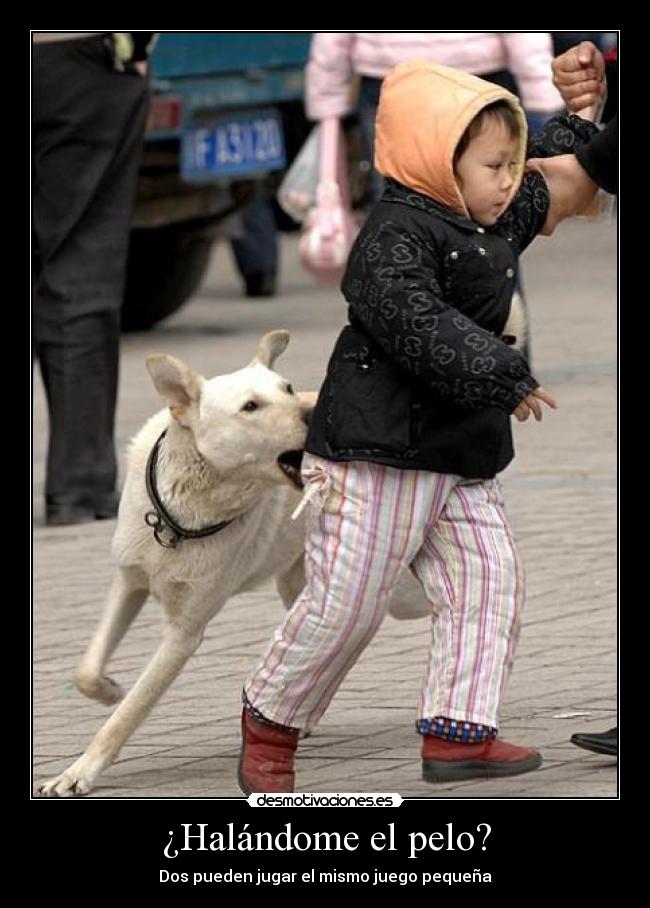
(604, 743)
(61, 515)
(260, 283)
(266, 758)
(59, 512)
(453, 761)
(106, 506)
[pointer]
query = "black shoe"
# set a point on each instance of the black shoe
(260, 283)
(60, 513)
(604, 743)
(106, 506)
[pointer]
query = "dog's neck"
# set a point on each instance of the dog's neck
(192, 490)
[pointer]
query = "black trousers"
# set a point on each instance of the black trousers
(257, 251)
(88, 126)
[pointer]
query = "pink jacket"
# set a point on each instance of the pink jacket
(336, 56)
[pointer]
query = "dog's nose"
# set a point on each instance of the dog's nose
(306, 416)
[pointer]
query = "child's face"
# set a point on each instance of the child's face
(485, 171)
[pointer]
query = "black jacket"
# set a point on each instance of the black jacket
(600, 156)
(420, 378)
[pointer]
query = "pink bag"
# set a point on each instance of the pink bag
(330, 227)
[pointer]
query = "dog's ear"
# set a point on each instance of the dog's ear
(270, 347)
(178, 385)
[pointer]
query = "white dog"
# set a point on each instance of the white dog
(205, 514)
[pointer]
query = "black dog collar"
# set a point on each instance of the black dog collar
(159, 519)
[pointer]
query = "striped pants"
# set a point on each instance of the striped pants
(365, 523)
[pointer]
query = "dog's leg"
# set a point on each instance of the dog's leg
(125, 599)
(177, 645)
(291, 584)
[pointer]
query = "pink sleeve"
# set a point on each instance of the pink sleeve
(529, 59)
(328, 74)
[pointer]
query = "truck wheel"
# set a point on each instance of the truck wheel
(165, 266)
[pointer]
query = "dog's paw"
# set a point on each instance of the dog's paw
(100, 688)
(69, 784)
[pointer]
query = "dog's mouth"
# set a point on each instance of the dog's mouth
(289, 462)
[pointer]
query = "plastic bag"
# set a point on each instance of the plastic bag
(330, 227)
(327, 236)
(297, 192)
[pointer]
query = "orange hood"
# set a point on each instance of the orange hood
(424, 109)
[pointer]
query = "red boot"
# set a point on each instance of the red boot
(266, 758)
(452, 761)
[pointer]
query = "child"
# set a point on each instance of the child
(411, 427)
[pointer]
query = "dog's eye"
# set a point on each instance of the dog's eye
(249, 406)
(289, 389)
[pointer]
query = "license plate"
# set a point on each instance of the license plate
(244, 143)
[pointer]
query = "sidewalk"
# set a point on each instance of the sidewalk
(561, 495)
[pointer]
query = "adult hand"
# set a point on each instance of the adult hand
(530, 404)
(570, 187)
(579, 76)
(141, 67)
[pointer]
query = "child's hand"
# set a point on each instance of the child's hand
(531, 404)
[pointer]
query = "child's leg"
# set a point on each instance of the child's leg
(367, 523)
(472, 574)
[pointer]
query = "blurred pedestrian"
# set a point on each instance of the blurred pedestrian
(256, 249)
(90, 100)
(517, 61)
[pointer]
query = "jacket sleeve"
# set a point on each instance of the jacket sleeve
(529, 59)
(600, 157)
(562, 134)
(392, 285)
(328, 75)
(611, 77)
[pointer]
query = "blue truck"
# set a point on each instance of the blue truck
(226, 112)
